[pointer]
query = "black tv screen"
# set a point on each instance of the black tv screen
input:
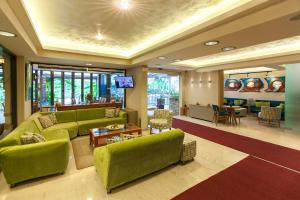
(124, 82)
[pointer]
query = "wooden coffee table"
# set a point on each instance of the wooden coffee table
(99, 135)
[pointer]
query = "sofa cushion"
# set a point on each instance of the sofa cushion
(45, 121)
(83, 126)
(261, 103)
(56, 134)
(72, 128)
(88, 114)
(52, 117)
(110, 113)
(66, 116)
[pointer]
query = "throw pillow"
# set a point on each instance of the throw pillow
(39, 138)
(129, 136)
(53, 118)
(30, 138)
(109, 113)
(45, 121)
(117, 112)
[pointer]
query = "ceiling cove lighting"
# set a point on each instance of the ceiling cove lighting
(211, 43)
(229, 48)
(249, 70)
(7, 34)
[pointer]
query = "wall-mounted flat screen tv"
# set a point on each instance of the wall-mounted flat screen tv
(124, 82)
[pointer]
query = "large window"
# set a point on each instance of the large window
(46, 87)
(87, 85)
(57, 87)
(95, 86)
(77, 87)
(68, 87)
(117, 93)
(54, 85)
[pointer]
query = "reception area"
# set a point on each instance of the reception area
(141, 100)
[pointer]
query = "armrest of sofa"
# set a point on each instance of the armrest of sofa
(23, 162)
(123, 114)
(102, 158)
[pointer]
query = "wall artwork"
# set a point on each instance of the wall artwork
(252, 84)
(28, 81)
(232, 85)
(275, 84)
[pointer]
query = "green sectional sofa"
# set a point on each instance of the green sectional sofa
(23, 162)
(122, 162)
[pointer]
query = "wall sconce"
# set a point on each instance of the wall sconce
(209, 81)
(200, 81)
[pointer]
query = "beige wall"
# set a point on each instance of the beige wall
(7, 87)
(202, 92)
(23, 106)
(257, 95)
(136, 98)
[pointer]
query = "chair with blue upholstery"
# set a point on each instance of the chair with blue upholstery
(220, 115)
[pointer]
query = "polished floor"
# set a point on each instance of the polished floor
(211, 158)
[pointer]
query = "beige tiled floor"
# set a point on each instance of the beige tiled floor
(211, 158)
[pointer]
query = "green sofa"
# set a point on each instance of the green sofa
(23, 162)
(122, 162)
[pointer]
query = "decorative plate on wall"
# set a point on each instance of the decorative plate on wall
(252, 84)
(232, 85)
(275, 84)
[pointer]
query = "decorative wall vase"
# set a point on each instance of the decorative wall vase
(232, 85)
(252, 84)
(275, 84)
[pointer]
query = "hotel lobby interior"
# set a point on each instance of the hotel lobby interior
(149, 99)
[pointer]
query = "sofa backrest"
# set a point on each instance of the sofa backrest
(13, 138)
(134, 158)
(88, 114)
(66, 116)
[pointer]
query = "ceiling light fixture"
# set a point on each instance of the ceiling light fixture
(161, 57)
(124, 4)
(99, 36)
(211, 43)
(228, 48)
(7, 34)
(88, 64)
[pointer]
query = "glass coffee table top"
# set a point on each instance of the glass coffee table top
(105, 131)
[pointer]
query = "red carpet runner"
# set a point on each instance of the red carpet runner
(249, 179)
(274, 153)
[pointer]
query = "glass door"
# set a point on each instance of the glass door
(163, 92)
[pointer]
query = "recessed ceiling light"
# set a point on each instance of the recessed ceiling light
(7, 34)
(228, 48)
(177, 60)
(211, 43)
(124, 4)
(99, 36)
(161, 57)
(88, 64)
